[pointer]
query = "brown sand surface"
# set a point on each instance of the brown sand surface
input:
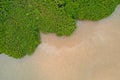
(92, 52)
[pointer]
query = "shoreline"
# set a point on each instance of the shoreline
(92, 52)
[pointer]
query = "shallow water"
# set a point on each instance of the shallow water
(92, 52)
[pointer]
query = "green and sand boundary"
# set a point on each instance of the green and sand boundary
(21, 21)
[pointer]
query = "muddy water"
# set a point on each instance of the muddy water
(92, 52)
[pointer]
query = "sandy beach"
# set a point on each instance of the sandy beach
(92, 52)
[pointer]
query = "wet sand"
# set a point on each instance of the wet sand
(92, 52)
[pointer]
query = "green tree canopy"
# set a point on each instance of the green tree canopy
(22, 20)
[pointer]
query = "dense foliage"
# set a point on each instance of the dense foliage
(22, 20)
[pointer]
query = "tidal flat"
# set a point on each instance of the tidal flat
(92, 52)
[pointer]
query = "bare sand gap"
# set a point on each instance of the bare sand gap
(92, 52)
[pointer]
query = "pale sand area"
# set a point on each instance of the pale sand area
(92, 52)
